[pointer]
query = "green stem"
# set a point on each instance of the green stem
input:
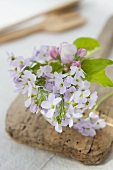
(101, 100)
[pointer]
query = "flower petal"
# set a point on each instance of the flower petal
(92, 132)
(58, 128)
(86, 93)
(62, 90)
(28, 102)
(46, 105)
(78, 115)
(93, 115)
(71, 123)
(33, 108)
(57, 100)
(50, 113)
(51, 98)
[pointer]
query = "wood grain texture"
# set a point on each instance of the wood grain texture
(34, 130)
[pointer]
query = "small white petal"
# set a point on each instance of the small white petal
(51, 98)
(93, 115)
(68, 115)
(57, 100)
(62, 90)
(71, 123)
(58, 128)
(92, 132)
(24, 91)
(28, 102)
(46, 105)
(86, 93)
(50, 113)
(78, 115)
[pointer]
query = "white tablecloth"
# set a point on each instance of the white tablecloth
(14, 156)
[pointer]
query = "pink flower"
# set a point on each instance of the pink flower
(81, 52)
(54, 52)
(67, 52)
(76, 63)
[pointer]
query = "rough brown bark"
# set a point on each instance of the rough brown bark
(34, 130)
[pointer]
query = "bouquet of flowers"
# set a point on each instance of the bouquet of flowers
(56, 82)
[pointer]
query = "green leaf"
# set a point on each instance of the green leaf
(100, 78)
(90, 44)
(94, 69)
(56, 66)
(36, 67)
(91, 66)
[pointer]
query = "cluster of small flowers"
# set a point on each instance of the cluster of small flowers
(61, 97)
(87, 126)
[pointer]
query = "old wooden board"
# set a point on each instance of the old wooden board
(33, 130)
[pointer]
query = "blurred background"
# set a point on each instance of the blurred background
(48, 23)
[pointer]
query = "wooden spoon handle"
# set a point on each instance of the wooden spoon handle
(51, 11)
(21, 33)
(42, 26)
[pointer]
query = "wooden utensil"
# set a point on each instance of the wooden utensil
(50, 11)
(52, 23)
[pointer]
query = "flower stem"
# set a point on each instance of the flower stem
(101, 100)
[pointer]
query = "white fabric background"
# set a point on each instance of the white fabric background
(14, 156)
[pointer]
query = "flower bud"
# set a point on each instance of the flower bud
(81, 52)
(67, 52)
(76, 63)
(54, 52)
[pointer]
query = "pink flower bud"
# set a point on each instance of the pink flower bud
(54, 52)
(67, 52)
(81, 52)
(76, 63)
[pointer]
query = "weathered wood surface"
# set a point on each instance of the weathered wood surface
(106, 39)
(34, 130)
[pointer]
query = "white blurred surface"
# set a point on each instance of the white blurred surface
(15, 10)
(14, 156)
